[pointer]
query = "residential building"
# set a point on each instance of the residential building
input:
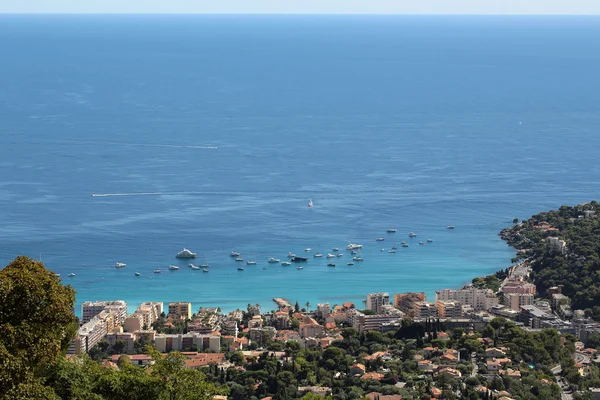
(518, 285)
(376, 300)
(262, 334)
(255, 322)
(558, 299)
(423, 310)
(406, 302)
(363, 323)
(178, 342)
(281, 320)
(90, 309)
(310, 328)
(133, 322)
(180, 310)
(448, 309)
(145, 315)
(505, 312)
(532, 316)
(230, 327)
(90, 333)
(323, 309)
(236, 315)
(127, 337)
(558, 245)
(515, 301)
(478, 299)
(357, 369)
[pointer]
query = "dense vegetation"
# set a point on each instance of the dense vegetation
(578, 270)
(492, 282)
(36, 327)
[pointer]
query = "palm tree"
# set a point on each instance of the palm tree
(307, 306)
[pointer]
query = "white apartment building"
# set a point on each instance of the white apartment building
(478, 299)
(90, 309)
(517, 300)
(363, 323)
(145, 315)
(323, 309)
(376, 300)
(166, 343)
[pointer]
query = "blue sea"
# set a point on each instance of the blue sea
(213, 132)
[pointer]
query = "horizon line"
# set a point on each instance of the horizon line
(303, 14)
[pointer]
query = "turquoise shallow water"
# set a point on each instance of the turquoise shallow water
(230, 124)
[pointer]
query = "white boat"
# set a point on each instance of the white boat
(120, 265)
(335, 249)
(379, 239)
(429, 240)
(285, 263)
(358, 258)
(412, 234)
(329, 255)
(340, 255)
(318, 255)
(157, 271)
(421, 243)
(273, 260)
(299, 267)
(391, 230)
(354, 246)
(404, 244)
(71, 274)
(450, 227)
(394, 247)
(57, 275)
(307, 249)
(240, 268)
(291, 255)
(382, 250)
(204, 265)
(310, 203)
(353, 252)
(137, 274)
(173, 267)
(350, 263)
(250, 262)
(195, 267)
(331, 265)
(185, 253)
(191, 265)
(239, 259)
(391, 251)
(205, 270)
(234, 254)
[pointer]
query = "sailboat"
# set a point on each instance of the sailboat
(310, 203)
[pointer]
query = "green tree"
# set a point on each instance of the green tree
(36, 327)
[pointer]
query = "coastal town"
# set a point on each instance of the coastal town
(529, 331)
(208, 337)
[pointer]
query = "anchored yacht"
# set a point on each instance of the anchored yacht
(185, 253)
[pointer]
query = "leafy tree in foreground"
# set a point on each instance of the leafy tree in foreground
(36, 327)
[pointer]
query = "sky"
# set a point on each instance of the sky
(585, 7)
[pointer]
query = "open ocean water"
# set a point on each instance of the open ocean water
(213, 132)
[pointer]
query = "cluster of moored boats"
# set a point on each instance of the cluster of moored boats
(335, 253)
(293, 258)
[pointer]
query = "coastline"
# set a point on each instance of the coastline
(427, 283)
